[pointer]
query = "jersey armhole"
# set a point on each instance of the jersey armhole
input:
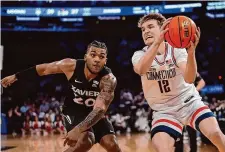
(75, 69)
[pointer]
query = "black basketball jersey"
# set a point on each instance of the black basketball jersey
(82, 92)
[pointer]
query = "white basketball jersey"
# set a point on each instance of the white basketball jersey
(164, 85)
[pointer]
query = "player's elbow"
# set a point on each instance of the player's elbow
(189, 81)
(41, 69)
(203, 83)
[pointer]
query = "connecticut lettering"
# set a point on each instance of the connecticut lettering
(163, 74)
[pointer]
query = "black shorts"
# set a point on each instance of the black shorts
(101, 128)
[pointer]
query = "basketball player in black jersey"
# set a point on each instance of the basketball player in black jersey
(92, 86)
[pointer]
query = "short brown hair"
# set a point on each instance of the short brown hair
(152, 16)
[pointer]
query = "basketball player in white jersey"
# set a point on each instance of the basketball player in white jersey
(167, 76)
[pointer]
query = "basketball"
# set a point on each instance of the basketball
(181, 32)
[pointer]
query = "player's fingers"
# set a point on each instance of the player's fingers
(73, 144)
(198, 32)
(192, 44)
(169, 19)
(4, 83)
(65, 142)
(7, 81)
(164, 31)
(164, 25)
(69, 143)
(196, 40)
(13, 81)
(64, 137)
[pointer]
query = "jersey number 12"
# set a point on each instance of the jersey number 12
(164, 86)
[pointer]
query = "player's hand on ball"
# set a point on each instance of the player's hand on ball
(193, 45)
(7, 81)
(72, 137)
(163, 30)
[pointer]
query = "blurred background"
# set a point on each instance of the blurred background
(35, 32)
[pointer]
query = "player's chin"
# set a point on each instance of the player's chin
(95, 71)
(149, 42)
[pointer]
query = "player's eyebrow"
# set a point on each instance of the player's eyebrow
(96, 51)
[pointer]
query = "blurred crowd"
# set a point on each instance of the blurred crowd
(130, 114)
(40, 117)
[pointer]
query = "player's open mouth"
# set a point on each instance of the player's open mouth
(148, 37)
(96, 66)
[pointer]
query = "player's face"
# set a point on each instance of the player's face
(95, 59)
(150, 30)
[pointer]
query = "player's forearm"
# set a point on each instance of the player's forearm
(28, 73)
(91, 119)
(102, 103)
(148, 58)
(191, 69)
(36, 71)
(105, 97)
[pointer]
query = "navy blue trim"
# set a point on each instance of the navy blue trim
(202, 117)
(173, 133)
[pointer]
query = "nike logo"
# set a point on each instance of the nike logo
(78, 81)
(68, 118)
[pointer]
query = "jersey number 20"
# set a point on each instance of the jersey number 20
(164, 86)
(88, 102)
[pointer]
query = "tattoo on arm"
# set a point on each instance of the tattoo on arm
(107, 86)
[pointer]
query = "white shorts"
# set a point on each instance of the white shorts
(172, 120)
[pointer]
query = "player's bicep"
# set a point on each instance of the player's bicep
(48, 68)
(54, 67)
(107, 85)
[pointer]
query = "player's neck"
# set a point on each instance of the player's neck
(89, 76)
(161, 49)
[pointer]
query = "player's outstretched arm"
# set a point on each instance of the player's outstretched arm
(107, 86)
(39, 70)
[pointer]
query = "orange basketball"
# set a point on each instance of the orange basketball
(181, 32)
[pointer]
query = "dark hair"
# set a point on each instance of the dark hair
(98, 45)
(152, 16)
